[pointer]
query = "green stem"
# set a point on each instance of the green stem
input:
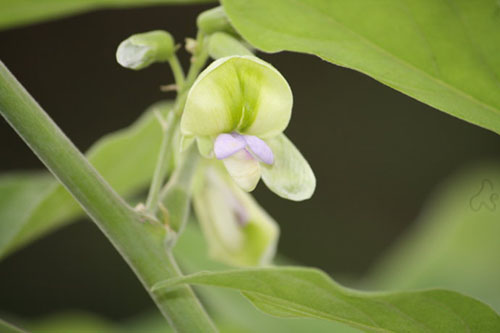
(139, 243)
(168, 126)
(176, 196)
(200, 57)
(176, 67)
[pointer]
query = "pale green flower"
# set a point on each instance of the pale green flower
(237, 110)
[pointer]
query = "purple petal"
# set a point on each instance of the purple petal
(228, 144)
(260, 149)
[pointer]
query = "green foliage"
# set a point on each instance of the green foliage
(31, 205)
(454, 243)
(6, 327)
(310, 293)
(191, 250)
(19, 12)
(443, 53)
(74, 322)
(233, 315)
(19, 195)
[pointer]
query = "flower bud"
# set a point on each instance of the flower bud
(141, 50)
(223, 45)
(238, 231)
(214, 20)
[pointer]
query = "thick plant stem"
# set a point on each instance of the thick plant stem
(138, 241)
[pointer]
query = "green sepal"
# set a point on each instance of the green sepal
(185, 142)
(290, 176)
(205, 146)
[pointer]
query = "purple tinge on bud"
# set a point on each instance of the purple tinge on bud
(229, 144)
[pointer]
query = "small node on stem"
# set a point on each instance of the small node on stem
(140, 208)
(144, 215)
(191, 45)
(169, 87)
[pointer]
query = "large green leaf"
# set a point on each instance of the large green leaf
(310, 293)
(442, 52)
(18, 12)
(31, 205)
(230, 311)
(455, 243)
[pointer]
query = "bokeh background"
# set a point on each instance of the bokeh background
(377, 155)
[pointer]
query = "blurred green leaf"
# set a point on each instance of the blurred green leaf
(310, 293)
(455, 243)
(19, 12)
(74, 322)
(20, 194)
(32, 204)
(6, 327)
(443, 53)
(239, 317)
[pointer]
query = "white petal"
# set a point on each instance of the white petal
(290, 176)
(244, 169)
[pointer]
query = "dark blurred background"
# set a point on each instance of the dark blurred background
(377, 155)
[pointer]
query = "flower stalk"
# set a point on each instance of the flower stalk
(168, 125)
